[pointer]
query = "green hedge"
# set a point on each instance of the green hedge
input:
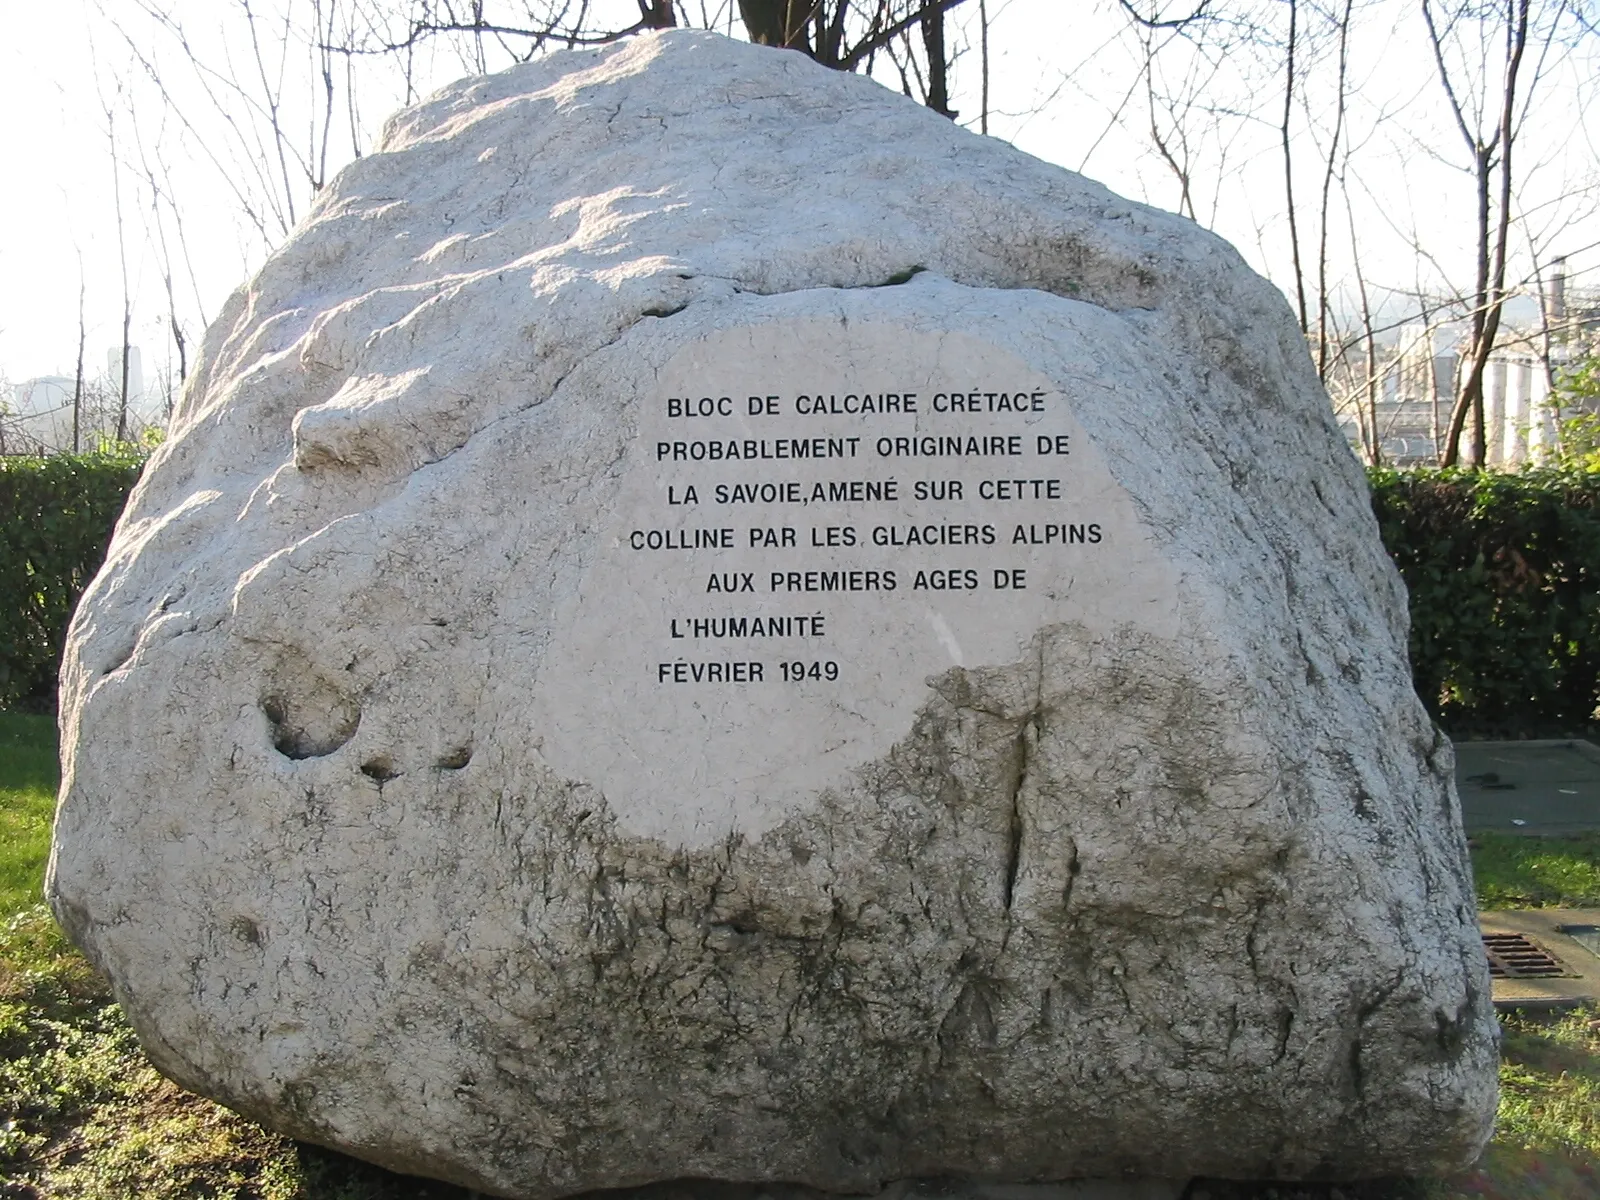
(56, 516)
(1504, 575)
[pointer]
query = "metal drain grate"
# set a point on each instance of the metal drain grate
(1512, 956)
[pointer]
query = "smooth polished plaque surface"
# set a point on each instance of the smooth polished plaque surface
(816, 518)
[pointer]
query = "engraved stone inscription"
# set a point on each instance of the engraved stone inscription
(814, 519)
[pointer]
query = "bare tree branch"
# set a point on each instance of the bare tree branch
(1200, 11)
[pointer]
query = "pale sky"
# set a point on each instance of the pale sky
(1064, 87)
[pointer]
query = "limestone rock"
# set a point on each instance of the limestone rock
(1076, 821)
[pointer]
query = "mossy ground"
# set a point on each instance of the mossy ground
(84, 1115)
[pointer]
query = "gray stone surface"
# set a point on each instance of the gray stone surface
(389, 831)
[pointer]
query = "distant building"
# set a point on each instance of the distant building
(1424, 379)
(39, 419)
(1420, 377)
(135, 373)
(43, 394)
(38, 415)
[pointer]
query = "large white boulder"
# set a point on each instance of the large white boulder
(699, 621)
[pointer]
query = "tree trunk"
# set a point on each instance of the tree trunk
(777, 23)
(983, 34)
(1489, 296)
(77, 384)
(1469, 400)
(1324, 343)
(122, 257)
(938, 67)
(1288, 170)
(1373, 443)
(657, 14)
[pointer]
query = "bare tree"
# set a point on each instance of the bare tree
(295, 70)
(1334, 151)
(843, 34)
(1371, 379)
(1290, 82)
(938, 92)
(1276, 83)
(1490, 150)
(122, 260)
(77, 381)
(1291, 69)
(269, 140)
(1189, 126)
(161, 208)
(263, 96)
(983, 58)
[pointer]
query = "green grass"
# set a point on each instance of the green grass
(1537, 872)
(1547, 1139)
(84, 1115)
(27, 802)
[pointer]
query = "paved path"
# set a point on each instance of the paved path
(1539, 787)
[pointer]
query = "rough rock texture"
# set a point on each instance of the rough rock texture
(1126, 903)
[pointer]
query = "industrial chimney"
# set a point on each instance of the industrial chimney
(1556, 308)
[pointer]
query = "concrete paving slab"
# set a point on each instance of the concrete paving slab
(1568, 936)
(1532, 787)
